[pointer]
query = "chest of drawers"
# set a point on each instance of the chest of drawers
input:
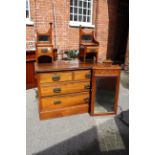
(65, 88)
(63, 92)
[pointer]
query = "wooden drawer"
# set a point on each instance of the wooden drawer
(55, 77)
(82, 75)
(92, 49)
(44, 50)
(63, 88)
(51, 103)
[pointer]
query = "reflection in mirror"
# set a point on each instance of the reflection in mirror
(43, 38)
(105, 94)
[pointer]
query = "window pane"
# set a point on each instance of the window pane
(75, 2)
(84, 11)
(75, 17)
(85, 4)
(27, 6)
(71, 10)
(80, 18)
(88, 12)
(27, 9)
(71, 16)
(75, 10)
(89, 5)
(88, 18)
(80, 3)
(84, 18)
(27, 14)
(71, 2)
(80, 11)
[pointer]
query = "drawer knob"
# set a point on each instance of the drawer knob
(57, 90)
(88, 76)
(87, 86)
(57, 102)
(86, 100)
(56, 78)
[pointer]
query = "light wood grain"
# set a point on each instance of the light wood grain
(78, 109)
(81, 75)
(48, 77)
(51, 103)
(64, 88)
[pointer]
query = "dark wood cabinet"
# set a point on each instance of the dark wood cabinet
(31, 81)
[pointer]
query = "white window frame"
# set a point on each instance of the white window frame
(28, 20)
(83, 24)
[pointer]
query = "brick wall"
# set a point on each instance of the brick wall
(66, 37)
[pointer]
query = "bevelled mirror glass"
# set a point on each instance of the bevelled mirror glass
(43, 38)
(105, 94)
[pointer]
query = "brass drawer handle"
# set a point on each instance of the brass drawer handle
(57, 102)
(86, 100)
(57, 90)
(56, 78)
(88, 76)
(44, 50)
(87, 86)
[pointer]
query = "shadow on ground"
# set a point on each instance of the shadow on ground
(100, 140)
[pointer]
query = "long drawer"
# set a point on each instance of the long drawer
(64, 88)
(51, 103)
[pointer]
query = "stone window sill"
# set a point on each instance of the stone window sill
(29, 22)
(78, 24)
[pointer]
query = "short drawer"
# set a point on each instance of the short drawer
(82, 75)
(55, 77)
(64, 88)
(51, 103)
(44, 50)
(92, 50)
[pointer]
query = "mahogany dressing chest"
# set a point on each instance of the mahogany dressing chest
(70, 87)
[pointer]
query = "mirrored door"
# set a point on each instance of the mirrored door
(104, 94)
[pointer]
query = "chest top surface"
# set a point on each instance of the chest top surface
(72, 65)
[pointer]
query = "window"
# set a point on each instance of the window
(28, 19)
(27, 9)
(81, 12)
